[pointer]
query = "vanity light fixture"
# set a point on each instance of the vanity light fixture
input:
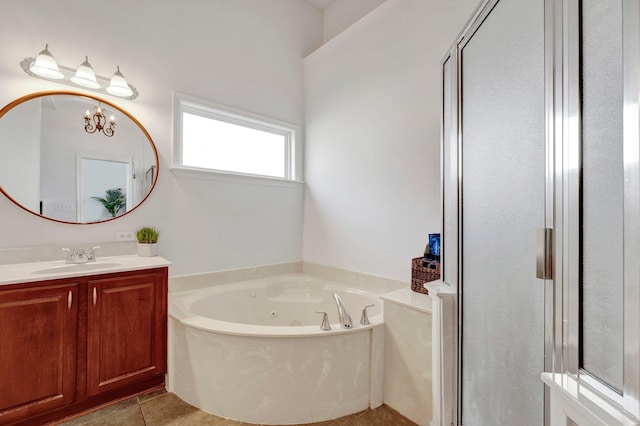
(46, 67)
(97, 122)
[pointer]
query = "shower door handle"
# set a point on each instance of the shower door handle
(544, 251)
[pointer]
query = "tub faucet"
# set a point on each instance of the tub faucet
(343, 314)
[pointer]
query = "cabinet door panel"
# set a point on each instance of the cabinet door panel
(126, 331)
(39, 339)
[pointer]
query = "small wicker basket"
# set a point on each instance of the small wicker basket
(423, 271)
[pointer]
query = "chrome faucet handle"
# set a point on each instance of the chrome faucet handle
(91, 254)
(71, 255)
(325, 321)
(364, 320)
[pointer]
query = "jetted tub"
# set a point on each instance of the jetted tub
(254, 351)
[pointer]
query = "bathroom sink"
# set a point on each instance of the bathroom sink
(77, 267)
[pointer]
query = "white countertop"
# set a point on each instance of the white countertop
(43, 271)
(410, 299)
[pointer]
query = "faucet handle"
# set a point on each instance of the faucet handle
(91, 254)
(70, 254)
(364, 320)
(325, 321)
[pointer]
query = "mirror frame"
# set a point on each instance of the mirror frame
(34, 95)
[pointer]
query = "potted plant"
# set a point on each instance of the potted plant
(147, 237)
(114, 201)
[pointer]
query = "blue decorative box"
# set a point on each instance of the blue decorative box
(434, 244)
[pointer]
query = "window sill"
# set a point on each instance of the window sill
(194, 173)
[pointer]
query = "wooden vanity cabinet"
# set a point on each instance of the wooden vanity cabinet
(38, 344)
(69, 345)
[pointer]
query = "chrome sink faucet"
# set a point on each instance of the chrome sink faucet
(80, 255)
(343, 314)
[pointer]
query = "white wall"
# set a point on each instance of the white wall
(340, 15)
(372, 99)
(243, 53)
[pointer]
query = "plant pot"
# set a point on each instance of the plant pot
(147, 250)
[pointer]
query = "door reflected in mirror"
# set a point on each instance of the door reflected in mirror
(52, 167)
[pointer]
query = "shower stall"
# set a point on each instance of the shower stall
(541, 223)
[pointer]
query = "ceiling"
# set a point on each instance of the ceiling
(322, 4)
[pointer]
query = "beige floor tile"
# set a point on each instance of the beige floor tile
(168, 409)
(159, 408)
(150, 395)
(335, 422)
(129, 417)
(382, 416)
(112, 410)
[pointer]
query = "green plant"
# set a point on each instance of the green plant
(147, 235)
(114, 201)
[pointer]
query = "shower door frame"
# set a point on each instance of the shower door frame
(563, 74)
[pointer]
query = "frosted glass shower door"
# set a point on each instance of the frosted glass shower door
(503, 202)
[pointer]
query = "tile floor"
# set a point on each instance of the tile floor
(160, 408)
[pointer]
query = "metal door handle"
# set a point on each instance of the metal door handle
(544, 250)
(95, 296)
(69, 300)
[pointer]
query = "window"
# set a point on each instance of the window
(219, 139)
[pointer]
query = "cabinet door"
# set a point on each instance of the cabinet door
(38, 329)
(126, 330)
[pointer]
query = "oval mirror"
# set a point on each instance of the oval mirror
(60, 162)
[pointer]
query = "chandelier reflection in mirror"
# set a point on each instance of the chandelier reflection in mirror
(98, 122)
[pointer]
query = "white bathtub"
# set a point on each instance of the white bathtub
(254, 351)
